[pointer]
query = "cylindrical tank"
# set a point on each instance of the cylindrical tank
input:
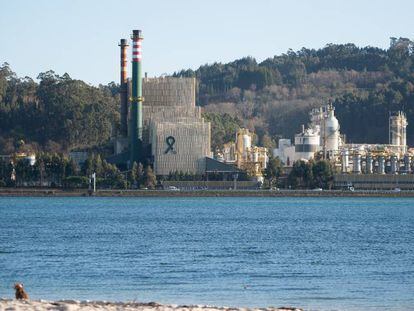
(243, 142)
(369, 164)
(330, 131)
(356, 163)
(381, 165)
(394, 169)
(407, 164)
(398, 126)
(345, 161)
(306, 144)
(256, 156)
(404, 124)
(247, 141)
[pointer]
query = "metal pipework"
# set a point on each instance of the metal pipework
(356, 163)
(381, 165)
(345, 161)
(394, 162)
(407, 164)
(136, 99)
(369, 164)
(124, 88)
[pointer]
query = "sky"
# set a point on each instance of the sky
(80, 37)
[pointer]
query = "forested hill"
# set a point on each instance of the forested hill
(55, 115)
(273, 98)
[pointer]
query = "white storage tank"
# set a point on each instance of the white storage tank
(306, 144)
(330, 131)
(356, 163)
(247, 141)
(345, 161)
(243, 142)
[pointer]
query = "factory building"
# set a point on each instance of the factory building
(244, 155)
(393, 158)
(360, 166)
(160, 123)
(322, 135)
(323, 138)
(180, 146)
(178, 135)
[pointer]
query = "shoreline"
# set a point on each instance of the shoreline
(39, 192)
(71, 305)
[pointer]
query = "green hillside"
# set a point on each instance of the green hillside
(272, 98)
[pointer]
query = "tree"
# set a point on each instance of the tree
(6, 170)
(133, 174)
(71, 168)
(301, 175)
(136, 174)
(273, 170)
(97, 165)
(87, 167)
(322, 174)
(149, 179)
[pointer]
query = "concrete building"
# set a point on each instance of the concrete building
(285, 151)
(180, 146)
(173, 126)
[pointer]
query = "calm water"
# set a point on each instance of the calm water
(320, 254)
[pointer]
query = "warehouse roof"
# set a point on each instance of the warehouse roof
(213, 165)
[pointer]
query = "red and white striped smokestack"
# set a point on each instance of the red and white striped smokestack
(137, 154)
(123, 44)
(136, 46)
(124, 88)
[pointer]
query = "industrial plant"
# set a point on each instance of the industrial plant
(160, 123)
(244, 155)
(364, 165)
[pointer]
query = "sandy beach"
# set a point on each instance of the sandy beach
(71, 305)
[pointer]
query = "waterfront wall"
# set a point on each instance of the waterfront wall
(374, 181)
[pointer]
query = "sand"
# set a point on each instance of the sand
(72, 305)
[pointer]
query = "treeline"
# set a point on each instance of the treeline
(274, 97)
(55, 115)
(59, 171)
(303, 175)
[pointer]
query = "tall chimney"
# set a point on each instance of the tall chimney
(124, 88)
(136, 100)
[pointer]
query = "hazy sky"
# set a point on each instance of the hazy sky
(81, 37)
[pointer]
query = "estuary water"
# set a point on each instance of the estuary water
(314, 253)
